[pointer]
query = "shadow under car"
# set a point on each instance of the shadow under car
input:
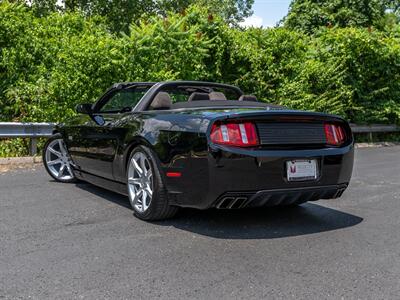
(264, 223)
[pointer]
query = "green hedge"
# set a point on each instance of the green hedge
(49, 64)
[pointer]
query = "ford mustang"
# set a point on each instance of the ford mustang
(203, 145)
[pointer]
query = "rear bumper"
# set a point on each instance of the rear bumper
(234, 200)
(258, 177)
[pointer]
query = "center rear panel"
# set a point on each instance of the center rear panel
(291, 133)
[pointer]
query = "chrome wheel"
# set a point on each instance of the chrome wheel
(140, 182)
(58, 161)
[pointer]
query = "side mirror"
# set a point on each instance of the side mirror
(99, 120)
(85, 108)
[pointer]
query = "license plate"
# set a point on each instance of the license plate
(300, 170)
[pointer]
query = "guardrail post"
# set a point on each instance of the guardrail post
(32, 146)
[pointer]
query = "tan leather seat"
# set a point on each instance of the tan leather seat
(161, 101)
(198, 96)
(248, 98)
(217, 96)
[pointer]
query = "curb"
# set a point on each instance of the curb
(376, 145)
(20, 160)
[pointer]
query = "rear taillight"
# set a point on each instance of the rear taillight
(234, 134)
(335, 134)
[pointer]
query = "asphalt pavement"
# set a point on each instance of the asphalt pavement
(77, 241)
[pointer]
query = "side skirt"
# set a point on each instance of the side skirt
(111, 185)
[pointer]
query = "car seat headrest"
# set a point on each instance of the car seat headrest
(217, 96)
(248, 98)
(198, 96)
(161, 101)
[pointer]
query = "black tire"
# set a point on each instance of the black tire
(159, 208)
(46, 145)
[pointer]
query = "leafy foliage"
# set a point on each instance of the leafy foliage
(121, 13)
(309, 15)
(49, 64)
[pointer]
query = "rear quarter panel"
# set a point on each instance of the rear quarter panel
(178, 139)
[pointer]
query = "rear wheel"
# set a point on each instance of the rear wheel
(57, 161)
(147, 193)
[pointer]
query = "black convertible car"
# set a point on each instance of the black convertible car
(184, 144)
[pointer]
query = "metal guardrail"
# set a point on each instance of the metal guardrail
(377, 128)
(374, 128)
(33, 131)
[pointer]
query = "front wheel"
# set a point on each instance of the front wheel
(147, 193)
(57, 161)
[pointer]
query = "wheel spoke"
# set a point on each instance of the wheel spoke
(138, 195)
(135, 181)
(69, 170)
(149, 191)
(54, 162)
(144, 200)
(143, 164)
(55, 152)
(137, 167)
(137, 201)
(61, 145)
(61, 171)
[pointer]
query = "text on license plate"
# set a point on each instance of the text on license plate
(298, 170)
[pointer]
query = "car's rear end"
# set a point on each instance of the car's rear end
(277, 158)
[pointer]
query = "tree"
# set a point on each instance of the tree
(121, 13)
(232, 11)
(309, 15)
